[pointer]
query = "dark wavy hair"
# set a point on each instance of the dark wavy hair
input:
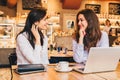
(34, 15)
(93, 32)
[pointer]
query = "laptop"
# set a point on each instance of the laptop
(101, 59)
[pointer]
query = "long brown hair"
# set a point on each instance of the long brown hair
(93, 33)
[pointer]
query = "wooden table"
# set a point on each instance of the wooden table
(51, 74)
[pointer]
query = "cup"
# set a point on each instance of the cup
(51, 47)
(63, 66)
(59, 49)
(65, 50)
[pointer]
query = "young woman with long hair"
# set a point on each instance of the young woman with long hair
(87, 35)
(31, 43)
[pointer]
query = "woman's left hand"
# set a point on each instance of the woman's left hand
(82, 34)
(35, 32)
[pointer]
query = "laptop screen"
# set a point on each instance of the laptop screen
(101, 59)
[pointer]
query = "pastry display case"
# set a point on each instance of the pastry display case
(7, 35)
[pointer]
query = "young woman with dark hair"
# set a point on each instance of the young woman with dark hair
(88, 34)
(107, 28)
(32, 44)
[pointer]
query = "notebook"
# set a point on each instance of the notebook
(30, 68)
(101, 59)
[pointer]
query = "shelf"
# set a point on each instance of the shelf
(7, 35)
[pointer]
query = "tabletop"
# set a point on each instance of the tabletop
(51, 74)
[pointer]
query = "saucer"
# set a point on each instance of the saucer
(69, 69)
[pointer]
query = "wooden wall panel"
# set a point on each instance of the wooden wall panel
(71, 4)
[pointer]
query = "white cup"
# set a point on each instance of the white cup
(63, 66)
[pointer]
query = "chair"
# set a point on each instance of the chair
(4, 56)
(12, 58)
(12, 61)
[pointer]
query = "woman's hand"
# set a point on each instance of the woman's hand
(35, 32)
(82, 34)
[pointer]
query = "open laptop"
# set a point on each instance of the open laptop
(101, 59)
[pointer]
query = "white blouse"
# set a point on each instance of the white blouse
(80, 55)
(27, 55)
